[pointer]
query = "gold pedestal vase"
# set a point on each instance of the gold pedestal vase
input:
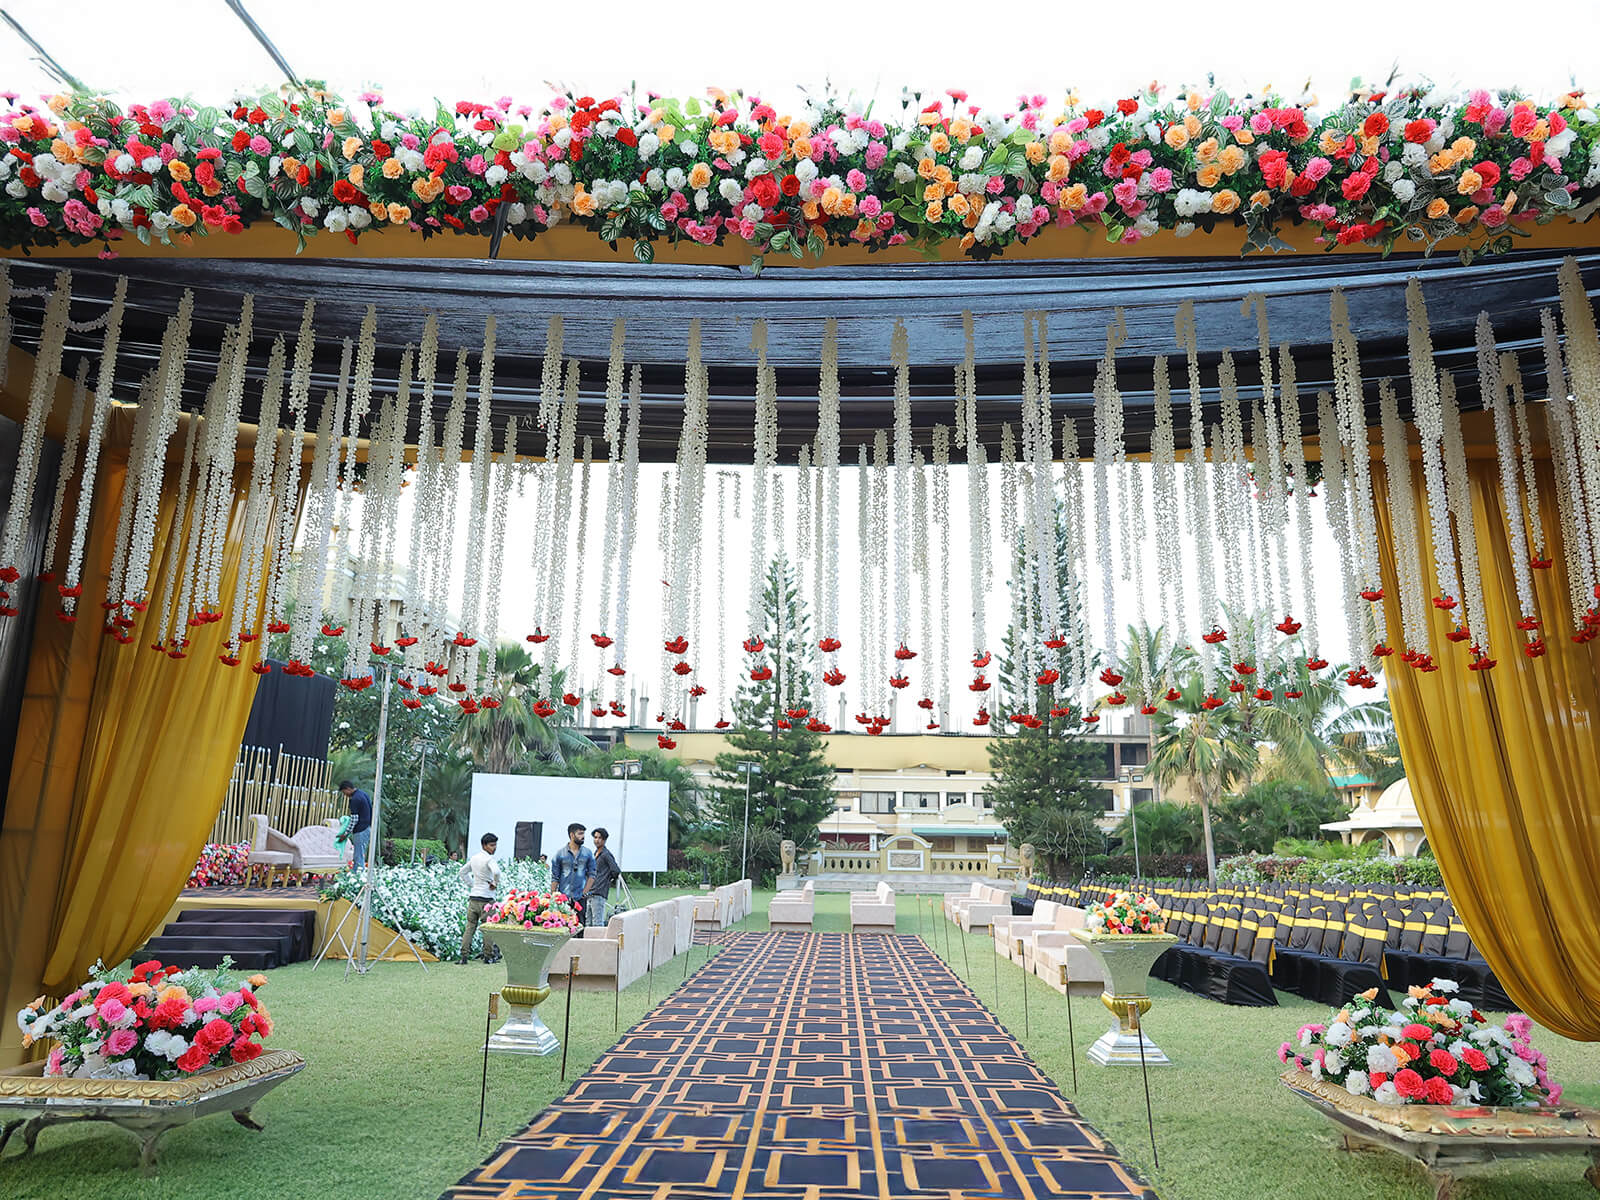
(1127, 959)
(527, 954)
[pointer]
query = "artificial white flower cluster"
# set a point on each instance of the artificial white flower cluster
(627, 532)
(1403, 523)
(1474, 618)
(1350, 411)
(266, 472)
(1493, 393)
(1428, 415)
(765, 449)
(940, 520)
(1197, 486)
(41, 397)
(902, 516)
(1300, 482)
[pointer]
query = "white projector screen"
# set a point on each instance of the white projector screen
(500, 801)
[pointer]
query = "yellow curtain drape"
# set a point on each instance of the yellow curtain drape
(1505, 765)
(122, 762)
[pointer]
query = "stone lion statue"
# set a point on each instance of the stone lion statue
(786, 854)
(1025, 857)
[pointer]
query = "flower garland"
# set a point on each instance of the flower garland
(1379, 168)
(1078, 574)
(725, 479)
(1403, 522)
(1233, 485)
(509, 477)
(616, 381)
(900, 363)
(1493, 393)
(479, 477)
(324, 481)
(264, 472)
(1299, 481)
(1044, 499)
(1349, 408)
(222, 458)
(627, 530)
(416, 613)
(179, 549)
(1164, 488)
(1529, 500)
(68, 467)
(1583, 375)
(1460, 492)
(1108, 451)
(1570, 499)
(1275, 495)
(1336, 485)
(580, 548)
(277, 602)
(41, 398)
(550, 371)
(565, 445)
(828, 548)
(1195, 477)
(980, 554)
(71, 586)
(765, 456)
(1429, 418)
(940, 648)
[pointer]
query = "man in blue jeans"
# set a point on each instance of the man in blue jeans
(361, 832)
(572, 866)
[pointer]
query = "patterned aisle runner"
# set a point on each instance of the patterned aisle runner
(810, 1067)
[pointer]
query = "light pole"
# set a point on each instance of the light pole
(624, 769)
(1128, 778)
(747, 768)
(416, 817)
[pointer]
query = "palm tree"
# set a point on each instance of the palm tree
(447, 798)
(1164, 828)
(1206, 746)
(501, 740)
(1150, 663)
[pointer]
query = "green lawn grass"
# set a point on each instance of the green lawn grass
(388, 1103)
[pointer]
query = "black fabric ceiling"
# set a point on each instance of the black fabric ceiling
(1079, 296)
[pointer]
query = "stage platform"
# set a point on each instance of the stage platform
(329, 914)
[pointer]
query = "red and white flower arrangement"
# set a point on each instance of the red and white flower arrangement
(1125, 913)
(533, 910)
(159, 1022)
(1434, 1049)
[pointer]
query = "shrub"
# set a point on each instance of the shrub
(1268, 868)
(1152, 866)
(397, 851)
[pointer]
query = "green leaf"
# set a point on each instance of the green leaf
(1017, 164)
(795, 250)
(692, 106)
(255, 185)
(1220, 101)
(780, 240)
(756, 261)
(997, 158)
(207, 119)
(815, 244)
(143, 232)
(506, 140)
(763, 230)
(644, 251)
(1558, 198)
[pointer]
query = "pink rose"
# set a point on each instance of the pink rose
(870, 207)
(856, 181)
(260, 145)
(38, 218)
(1317, 168)
(996, 185)
(1126, 192)
(1161, 180)
(477, 165)
(1260, 123)
(53, 1065)
(1523, 122)
(121, 1042)
(877, 154)
(479, 213)
(1233, 122)
(458, 193)
(112, 1011)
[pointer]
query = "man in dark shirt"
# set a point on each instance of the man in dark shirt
(597, 891)
(360, 832)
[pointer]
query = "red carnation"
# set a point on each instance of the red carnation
(1376, 124)
(345, 192)
(1094, 116)
(1127, 107)
(241, 139)
(791, 185)
(195, 1058)
(1488, 172)
(1410, 1085)
(1439, 1091)
(1443, 1061)
(766, 191)
(244, 1050)
(1476, 1059)
(627, 136)
(1419, 130)
(1417, 1032)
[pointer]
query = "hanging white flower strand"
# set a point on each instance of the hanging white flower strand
(415, 613)
(1336, 487)
(1571, 502)
(580, 548)
(67, 468)
(616, 381)
(509, 476)
(1108, 449)
(478, 476)
(1196, 486)
(1403, 523)
(900, 362)
(314, 555)
(724, 480)
(255, 545)
(1299, 482)
(919, 564)
(1492, 394)
(981, 560)
(1583, 376)
(276, 615)
(1078, 519)
(627, 532)
(765, 456)
(178, 553)
(550, 373)
(1474, 621)
(566, 444)
(828, 549)
(41, 398)
(1350, 409)
(878, 526)
(1429, 419)
(1164, 486)
(1232, 488)
(941, 647)
(1044, 506)
(1271, 476)
(1511, 372)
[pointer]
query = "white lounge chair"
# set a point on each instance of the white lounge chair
(794, 911)
(609, 959)
(872, 912)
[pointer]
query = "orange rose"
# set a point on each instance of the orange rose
(1437, 207)
(1207, 150)
(1243, 136)
(967, 241)
(183, 215)
(357, 173)
(179, 170)
(942, 173)
(1035, 152)
(830, 200)
(699, 176)
(1329, 142)
(392, 168)
(934, 191)
(1192, 126)
(426, 189)
(961, 130)
(801, 147)
(939, 143)
(1469, 182)
(1231, 159)
(1208, 176)
(799, 129)
(1060, 142)
(583, 203)
(959, 205)
(1177, 137)
(1467, 215)
(351, 147)
(1075, 197)
(934, 211)
(1260, 199)
(925, 167)
(1060, 164)
(399, 214)
(63, 151)
(1225, 201)
(810, 210)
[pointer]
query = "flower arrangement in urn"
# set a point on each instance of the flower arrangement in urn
(157, 1023)
(1125, 913)
(533, 910)
(1434, 1049)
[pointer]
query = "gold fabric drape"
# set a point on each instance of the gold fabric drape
(1505, 765)
(122, 761)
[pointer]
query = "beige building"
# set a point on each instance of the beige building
(1390, 815)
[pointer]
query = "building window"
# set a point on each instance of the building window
(955, 798)
(1099, 761)
(955, 772)
(1134, 754)
(877, 802)
(1137, 796)
(921, 800)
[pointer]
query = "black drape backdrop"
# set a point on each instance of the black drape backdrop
(291, 715)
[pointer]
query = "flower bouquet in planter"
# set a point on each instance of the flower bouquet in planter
(1434, 1049)
(1434, 1081)
(527, 927)
(1125, 913)
(158, 1022)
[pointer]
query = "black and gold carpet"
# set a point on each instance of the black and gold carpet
(810, 1067)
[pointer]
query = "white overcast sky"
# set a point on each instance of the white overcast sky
(415, 51)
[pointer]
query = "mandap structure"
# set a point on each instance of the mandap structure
(1124, 351)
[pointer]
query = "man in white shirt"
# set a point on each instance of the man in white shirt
(481, 875)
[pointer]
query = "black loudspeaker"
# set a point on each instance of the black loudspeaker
(528, 839)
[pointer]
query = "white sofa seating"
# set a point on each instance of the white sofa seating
(793, 911)
(872, 912)
(954, 900)
(683, 930)
(1011, 934)
(711, 910)
(979, 913)
(318, 851)
(1050, 951)
(269, 850)
(609, 959)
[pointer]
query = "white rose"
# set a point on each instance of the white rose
(124, 163)
(649, 143)
(358, 217)
(1357, 1083)
(151, 164)
(1183, 228)
(752, 212)
(517, 213)
(905, 173)
(563, 137)
(274, 165)
(702, 200)
(900, 141)
(1519, 1072)
(1392, 170)
(1561, 143)
(675, 178)
(335, 221)
(1388, 1094)
(1404, 190)
(495, 175)
(53, 191)
(1414, 155)
(561, 173)
(691, 149)
(655, 179)
(805, 170)
(971, 157)
(309, 206)
(755, 167)
(730, 190)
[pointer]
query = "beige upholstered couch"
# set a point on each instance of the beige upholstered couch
(610, 958)
(872, 912)
(664, 932)
(312, 849)
(793, 911)
(979, 911)
(1012, 933)
(683, 931)
(1056, 957)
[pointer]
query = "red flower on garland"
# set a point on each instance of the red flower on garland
(1459, 634)
(981, 659)
(1527, 623)
(228, 660)
(833, 678)
(456, 685)
(1217, 635)
(1534, 648)
(378, 648)
(829, 644)
(1055, 643)
(678, 645)
(754, 645)
(427, 689)
(488, 702)
(261, 668)
(723, 724)
(544, 710)
(1244, 668)
(538, 636)
(982, 718)
(1211, 702)
(1116, 699)
(410, 702)
(332, 630)
(925, 702)
(597, 711)
(617, 710)
(681, 668)
(1316, 664)
(277, 627)
(1288, 627)
(1540, 564)
(1060, 711)
(1091, 718)
(617, 670)
(1382, 651)
(1147, 710)
(1236, 686)
(1444, 603)
(904, 654)
(980, 684)
(600, 639)
(1047, 676)
(817, 726)
(797, 714)
(462, 639)
(1263, 693)
(761, 674)
(1173, 694)
(899, 681)
(571, 700)
(676, 725)
(1110, 678)
(665, 743)
(697, 691)
(1373, 594)
(405, 643)
(783, 723)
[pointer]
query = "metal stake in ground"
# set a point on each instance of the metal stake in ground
(1072, 1040)
(996, 979)
(566, 1028)
(1026, 1030)
(650, 967)
(1149, 1113)
(616, 1005)
(483, 1096)
(966, 959)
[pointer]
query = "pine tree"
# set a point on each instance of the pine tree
(1042, 790)
(793, 790)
